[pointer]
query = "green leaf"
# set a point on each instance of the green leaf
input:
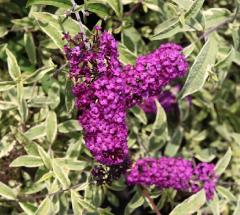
(105, 211)
(87, 205)
(43, 101)
(69, 99)
(167, 29)
(136, 201)
(223, 162)
(187, 51)
(77, 208)
(190, 205)
(54, 26)
(36, 132)
(194, 9)
(236, 137)
(173, 146)
(38, 74)
(4, 105)
(199, 70)
(28, 208)
(6, 192)
(60, 174)
(69, 126)
(72, 164)
(6, 146)
(185, 4)
(236, 36)
(49, 24)
(23, 110)
(22, 104)
(13, 68)
(159, 130)
(27, 161)
(7, 85)
(51, 126)
(100, 9)
(65, 4)
(75, 148)
(152, 5)
(226, 193)
(34, 188)
(3, 47)
(112, 199)
(125, 55)
(45, 157)
(45, 207)
(215, 16)
(45, 177)
(3, 30)
(29, 146)
(224, 65)
(214, 205)
(30, 47)
(140, 114)
(116, 5)
(237, 209)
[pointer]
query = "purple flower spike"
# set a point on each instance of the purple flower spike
(99, 92)
(176, 173)
(152, 72)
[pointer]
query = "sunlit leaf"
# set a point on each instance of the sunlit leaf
(69, 126)
(190, 205)
(51, 126)
(7, 85)
(199, 70)
(13, 67)
(28, 208)
(27, 161)
(45, 207)
(223, 162)
(7, 192)
(60, 174)
(30, 47)
(77, 208)
(65, 4)
(159, 129)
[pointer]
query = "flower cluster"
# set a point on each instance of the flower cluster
(99, 92)
(176, 173)
(152, 72)
(105, 89)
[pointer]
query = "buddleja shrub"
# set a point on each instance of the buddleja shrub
(119, 107)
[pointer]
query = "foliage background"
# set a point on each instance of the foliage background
(45, 167)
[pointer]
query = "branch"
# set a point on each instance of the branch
(154, 206)
(57, 71)
(231, 19)
(78, 19)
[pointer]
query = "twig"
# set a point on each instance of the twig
(228, 183)
(146, 194)
(57, 71)
(78, 19)
(231, 19)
